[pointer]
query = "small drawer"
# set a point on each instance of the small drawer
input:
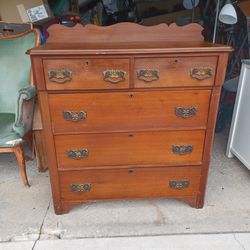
(129, 183)
(129, 111)
(139, 148)
(175, 71)
(70, 74)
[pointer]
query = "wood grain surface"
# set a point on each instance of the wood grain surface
(87, 73)
(175, 71)
(125, 111)
(140, 148)
(121, 32)
(130, 183)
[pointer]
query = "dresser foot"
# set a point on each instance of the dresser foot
(66, 207)
(195, 201)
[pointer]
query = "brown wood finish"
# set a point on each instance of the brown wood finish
(130, 183)
(50, 150)
(11, 36)
(126, 111)
(175, 71)
(128, 48)
(40, 150)
(87, 73)
(128, 130)
(19, 153)
(128, 149)
(122, 31)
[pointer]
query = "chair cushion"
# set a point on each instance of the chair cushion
(14, 69)
(8, 137)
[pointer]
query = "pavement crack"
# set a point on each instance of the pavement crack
(161, 219)
(41, 227)
(238, 241)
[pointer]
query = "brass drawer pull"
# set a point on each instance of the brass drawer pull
(85, 187)
(60, 76)
(114, 76)
(185, 112)
(78, 154)
(183, 149)
(148, 75)
(179, 185)
(74, 116)
(201, 73)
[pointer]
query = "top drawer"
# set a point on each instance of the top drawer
(70, 74)
(175, 71)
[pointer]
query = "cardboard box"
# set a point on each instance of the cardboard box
(15, 11)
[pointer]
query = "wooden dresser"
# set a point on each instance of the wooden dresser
(128, 111)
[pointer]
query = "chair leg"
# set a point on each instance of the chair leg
(19, 152)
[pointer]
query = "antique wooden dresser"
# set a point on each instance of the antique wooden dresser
(128, 111)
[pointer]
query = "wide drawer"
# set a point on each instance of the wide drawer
(175, 71)
(91, 73)
(139, 148)
(129, 183)
(126, 111)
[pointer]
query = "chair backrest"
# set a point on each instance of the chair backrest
(15, 67)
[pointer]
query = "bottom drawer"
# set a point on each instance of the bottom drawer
(129, 183)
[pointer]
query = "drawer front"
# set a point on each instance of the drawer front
(106, 112)
(73, 74)
(139, 148)
(129, 183)
(172, 72)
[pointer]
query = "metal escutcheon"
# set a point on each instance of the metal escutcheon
(78, 154)
(179, 185)
(201, 73)
(74, 116)
(185, 112)
(85, 187)
(148, 75)
(114, 76)
(60, 76)
(182, 149)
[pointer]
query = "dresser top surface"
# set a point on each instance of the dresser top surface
(128, 48)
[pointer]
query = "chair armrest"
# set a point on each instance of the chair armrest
(25, 109)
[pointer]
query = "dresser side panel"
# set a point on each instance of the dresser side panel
(50, 151)
(214, 103)
(37, 69)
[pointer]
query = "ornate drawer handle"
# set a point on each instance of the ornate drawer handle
(74, 116)
(60, 76)
(182, 149)
(201, 73)
(85, 187)
(179, 185)
(185, 112)
(78, 154)
(114, 76)
(148, 75)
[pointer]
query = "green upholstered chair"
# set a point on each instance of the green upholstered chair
(16, 94)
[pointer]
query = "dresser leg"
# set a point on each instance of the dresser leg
(65, 207)
(194, 201)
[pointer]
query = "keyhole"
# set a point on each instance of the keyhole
(87, 63)
(131, 96)
(130, 171)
